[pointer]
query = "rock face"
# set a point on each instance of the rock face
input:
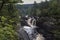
(40, 37)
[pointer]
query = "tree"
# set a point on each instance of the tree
(34, 9)
(50, 16)
(54, 12)
(9, 18)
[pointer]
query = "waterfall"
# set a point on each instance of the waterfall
(33, 34)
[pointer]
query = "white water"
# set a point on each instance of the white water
(30, 30)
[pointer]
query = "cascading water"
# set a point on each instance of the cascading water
(32, 33)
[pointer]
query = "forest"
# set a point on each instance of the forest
(48, 21)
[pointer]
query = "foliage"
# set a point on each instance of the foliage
(49, 17)
(9, 18)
